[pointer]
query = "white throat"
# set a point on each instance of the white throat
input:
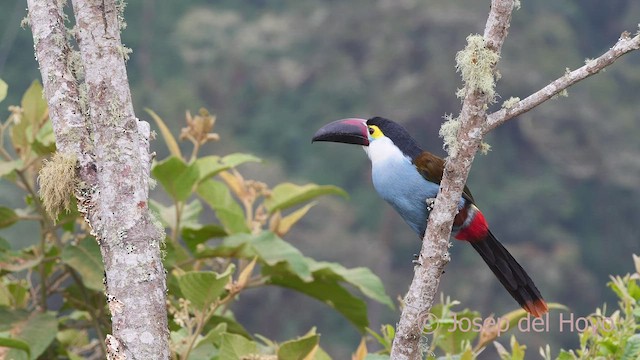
(382, 150)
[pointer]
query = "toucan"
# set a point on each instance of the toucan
(408, 178)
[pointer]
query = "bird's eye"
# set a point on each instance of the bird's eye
(371, 131)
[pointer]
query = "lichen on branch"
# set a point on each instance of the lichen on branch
(476, 63)
(449, 133)
(57, 181)
(510, 102)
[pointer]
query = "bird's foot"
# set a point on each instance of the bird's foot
(430, 202)
(416, 260)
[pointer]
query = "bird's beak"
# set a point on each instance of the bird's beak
(348, 131)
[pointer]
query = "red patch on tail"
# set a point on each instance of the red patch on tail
(476, 230)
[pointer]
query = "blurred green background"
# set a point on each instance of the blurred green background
(559, 188)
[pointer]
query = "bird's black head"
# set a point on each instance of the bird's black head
(379, 126)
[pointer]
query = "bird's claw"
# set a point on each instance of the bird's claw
(430, 202)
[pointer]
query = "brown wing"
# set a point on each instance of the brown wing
(431, 168)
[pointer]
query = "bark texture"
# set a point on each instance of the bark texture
(93, 118)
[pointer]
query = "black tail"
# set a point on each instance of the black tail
(511, 275)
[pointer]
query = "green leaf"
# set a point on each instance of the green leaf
(174, 149)
(86, 260)
(565, 355)
(72, 338)
(286, 222)
(15, 294)
(212, 165)
(7, 167)
(287, 267)
(376, 357)
(634, 290)
(34, 110)
(236, 246)
(202, 288)
(73, 356)
(233, 160)
(4, 245)
(203, 351)
(8, 217)
(45, 141)
(16, 344)
(361, 278)
(467, 354)
(609, 346)
(321, 355)
(19, 138)
(34, 115)
(632, 349)
(214, 336)
(235, 347)
(286, 195)
(209, 166)
(38, 331)
(327, 291)
(175, 254)
(298, 349)
(3, 90)
(327, 286)
(9, 316)
(517, 350)
(176, 177)
(273, 250)
(230, 214)
(34, 106)
(167, 214)
(196, 236)
(268, 247)
(231, 326)
(190, 214)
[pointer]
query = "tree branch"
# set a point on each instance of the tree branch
(95, 121)
(625, 44)
(434, 255)
(58, 62)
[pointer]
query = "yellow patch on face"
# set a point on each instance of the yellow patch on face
(375, 132)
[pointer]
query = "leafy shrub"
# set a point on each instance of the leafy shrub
(52, 301)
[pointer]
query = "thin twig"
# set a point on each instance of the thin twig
(625, 44)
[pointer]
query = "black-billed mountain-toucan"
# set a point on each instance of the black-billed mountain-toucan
(408, 177)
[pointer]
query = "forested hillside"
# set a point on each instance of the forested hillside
(559, 187)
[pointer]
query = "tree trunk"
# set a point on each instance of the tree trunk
(93, 119)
